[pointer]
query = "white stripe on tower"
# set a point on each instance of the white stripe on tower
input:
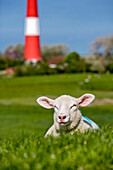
(32, 26)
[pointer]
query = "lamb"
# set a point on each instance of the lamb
(67, 116)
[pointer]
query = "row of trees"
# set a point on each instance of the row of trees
(71, 64)
(102, 48)
(47, 51)
(14, 55)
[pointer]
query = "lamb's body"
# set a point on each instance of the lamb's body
(81, 124)
(67, 116)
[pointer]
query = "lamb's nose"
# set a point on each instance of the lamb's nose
(62, 118)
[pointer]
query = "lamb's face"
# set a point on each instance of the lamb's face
(65, 108)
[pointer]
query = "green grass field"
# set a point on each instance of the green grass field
(23, 124)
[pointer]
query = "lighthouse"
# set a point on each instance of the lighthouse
(32, 33)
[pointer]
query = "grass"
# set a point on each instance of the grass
(55, 85)
(80, 151)
(15, 119)
(23, 124)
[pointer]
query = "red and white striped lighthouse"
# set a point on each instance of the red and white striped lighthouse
(32, 33)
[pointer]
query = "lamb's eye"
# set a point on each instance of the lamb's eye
(73, 106)
(56, 107)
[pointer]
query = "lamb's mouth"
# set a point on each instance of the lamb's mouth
(64, 123)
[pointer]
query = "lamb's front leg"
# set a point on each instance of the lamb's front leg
(52, 131)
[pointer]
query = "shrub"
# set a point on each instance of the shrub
(109, 68)
(19, 71)
(31, 69)
(60, 67)
(14, 62)
(75, 64)
(6, 62)
(41, 68)
(3, 64)
(72, 57)
(75, 67)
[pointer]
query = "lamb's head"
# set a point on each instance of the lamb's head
(65, 106)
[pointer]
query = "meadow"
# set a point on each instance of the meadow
(23, 123)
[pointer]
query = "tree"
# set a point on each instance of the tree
(1, 55)
(48, 51)
(14, 52)
(72, 57)
(20, 49)
(73, 63)
(103, 46)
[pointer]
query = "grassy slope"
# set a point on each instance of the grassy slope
(23, 124)
(73, 84)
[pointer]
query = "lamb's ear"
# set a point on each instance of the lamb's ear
(85, 99)
(45, 102)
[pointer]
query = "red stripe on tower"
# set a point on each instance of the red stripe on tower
(32, 33)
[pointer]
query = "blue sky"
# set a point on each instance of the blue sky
(72, 22)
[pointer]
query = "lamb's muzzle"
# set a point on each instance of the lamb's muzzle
(67, 115)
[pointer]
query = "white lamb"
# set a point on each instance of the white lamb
(67, 116)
